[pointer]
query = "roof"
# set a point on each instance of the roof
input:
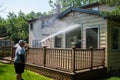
(112, 17)
(88, 11)
(32, 20)
(42, 17)
(90, 5)
(72, 9)
(2, 38)
(79, 9)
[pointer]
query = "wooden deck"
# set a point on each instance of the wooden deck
(66, 64)
(70, 60)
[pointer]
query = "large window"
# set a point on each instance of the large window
(115, 39)
(73, 38)
(92, 37)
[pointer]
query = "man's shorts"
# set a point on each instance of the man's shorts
(19, 67)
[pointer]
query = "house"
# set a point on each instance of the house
(84, 24)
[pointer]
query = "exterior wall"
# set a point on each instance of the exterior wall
(84, 20)
(38, 33)
(35, 34)
(89, 20)
(51, 31)
(113, 56)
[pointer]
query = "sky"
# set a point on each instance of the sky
(25, 6)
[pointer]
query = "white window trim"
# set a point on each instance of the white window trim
(98, 34)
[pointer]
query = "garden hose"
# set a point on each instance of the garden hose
(28, 75)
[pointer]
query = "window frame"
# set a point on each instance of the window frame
(31, 26)
(60, 37)
(98, 35)
(118, 39)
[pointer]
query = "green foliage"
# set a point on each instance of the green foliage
(77, 3)
(111, 2)
(115, 14)
(33, 15)
(2, 27)
(15, 27)
(68, 3)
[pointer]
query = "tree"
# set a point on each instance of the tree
(17, 25)
(33, 15)
(69, 3)
(115, 14)
(3, 30)
(111, 2)
(11, 26)
(77, 3)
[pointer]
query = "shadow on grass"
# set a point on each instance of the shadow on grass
(2, 68)
(113, 75)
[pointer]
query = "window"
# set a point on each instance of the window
(46, 23)
(36, 44)
(31, 26)
(92, 37)
(95, 8)
(115, 39)
(73, 38)
(42, 24)
(58, 41)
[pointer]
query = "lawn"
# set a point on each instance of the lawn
(111, 78)
(7, 73)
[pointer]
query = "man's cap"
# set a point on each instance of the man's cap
(21, 41)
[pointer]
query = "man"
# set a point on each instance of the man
(19, 60)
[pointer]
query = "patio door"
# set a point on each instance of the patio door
(92, 37)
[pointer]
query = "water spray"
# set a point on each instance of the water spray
(70, 28)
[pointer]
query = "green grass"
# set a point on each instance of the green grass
(111, 78)
(7, 73)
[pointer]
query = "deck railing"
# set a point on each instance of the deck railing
(70, 60)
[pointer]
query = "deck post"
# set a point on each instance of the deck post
(11, 53)
(91, 48)
(103, 57)
(3, 48)
(44, 55)
(73, 59)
